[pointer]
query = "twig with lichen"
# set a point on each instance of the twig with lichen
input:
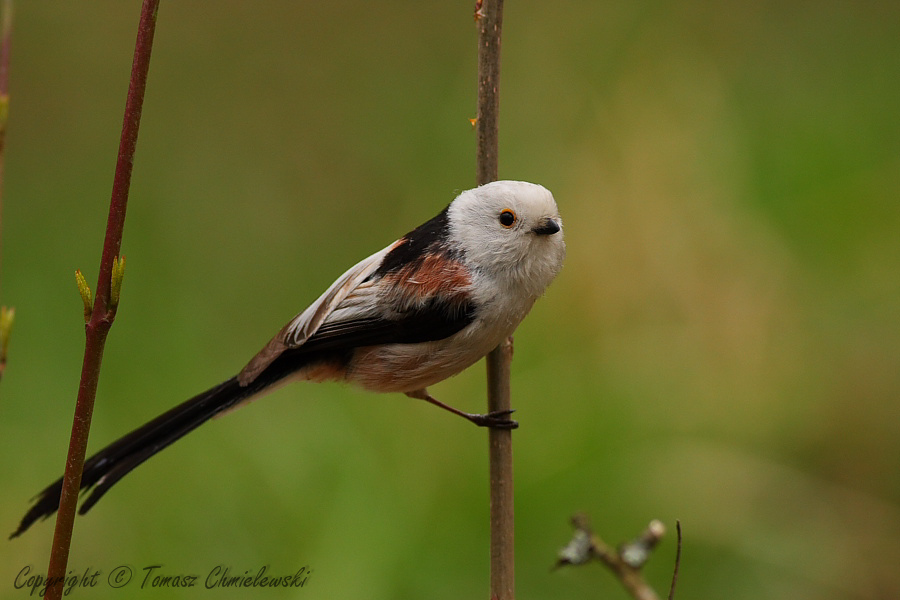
(625, 562)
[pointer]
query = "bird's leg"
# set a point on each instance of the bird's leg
(496, 420)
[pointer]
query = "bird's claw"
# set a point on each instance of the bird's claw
(498, 419)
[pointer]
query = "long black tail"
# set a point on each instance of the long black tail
(109, 465)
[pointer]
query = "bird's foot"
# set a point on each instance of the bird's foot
(498, 419)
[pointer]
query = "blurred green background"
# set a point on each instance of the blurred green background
(722, 347)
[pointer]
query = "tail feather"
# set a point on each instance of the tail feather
(109, 465)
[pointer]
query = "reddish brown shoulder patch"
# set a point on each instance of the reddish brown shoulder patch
(434, 275)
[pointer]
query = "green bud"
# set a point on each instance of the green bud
(86, 296)
(7, 316)
(118, 273)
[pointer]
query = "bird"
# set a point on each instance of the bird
(421, 310)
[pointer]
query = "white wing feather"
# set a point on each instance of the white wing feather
(340, 297)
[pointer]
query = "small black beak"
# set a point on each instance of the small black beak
(547, 227)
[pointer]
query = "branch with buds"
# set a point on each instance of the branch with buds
(100, 307)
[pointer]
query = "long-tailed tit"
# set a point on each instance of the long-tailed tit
(423, 309)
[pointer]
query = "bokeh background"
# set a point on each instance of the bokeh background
(722, 347)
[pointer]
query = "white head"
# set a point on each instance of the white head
(510, 230)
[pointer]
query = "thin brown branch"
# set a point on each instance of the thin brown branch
(489, 21)
(103, 314)
(625, 562)
(6, 15)
(677, 562)
(502, 512)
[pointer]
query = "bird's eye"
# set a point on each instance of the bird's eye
(507, 218)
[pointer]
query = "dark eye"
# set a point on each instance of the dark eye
(507, 217)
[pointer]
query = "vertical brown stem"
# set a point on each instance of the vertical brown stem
(103, 313)
(489, 16)
(6, 13)
(487, 125)
(503, 582)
